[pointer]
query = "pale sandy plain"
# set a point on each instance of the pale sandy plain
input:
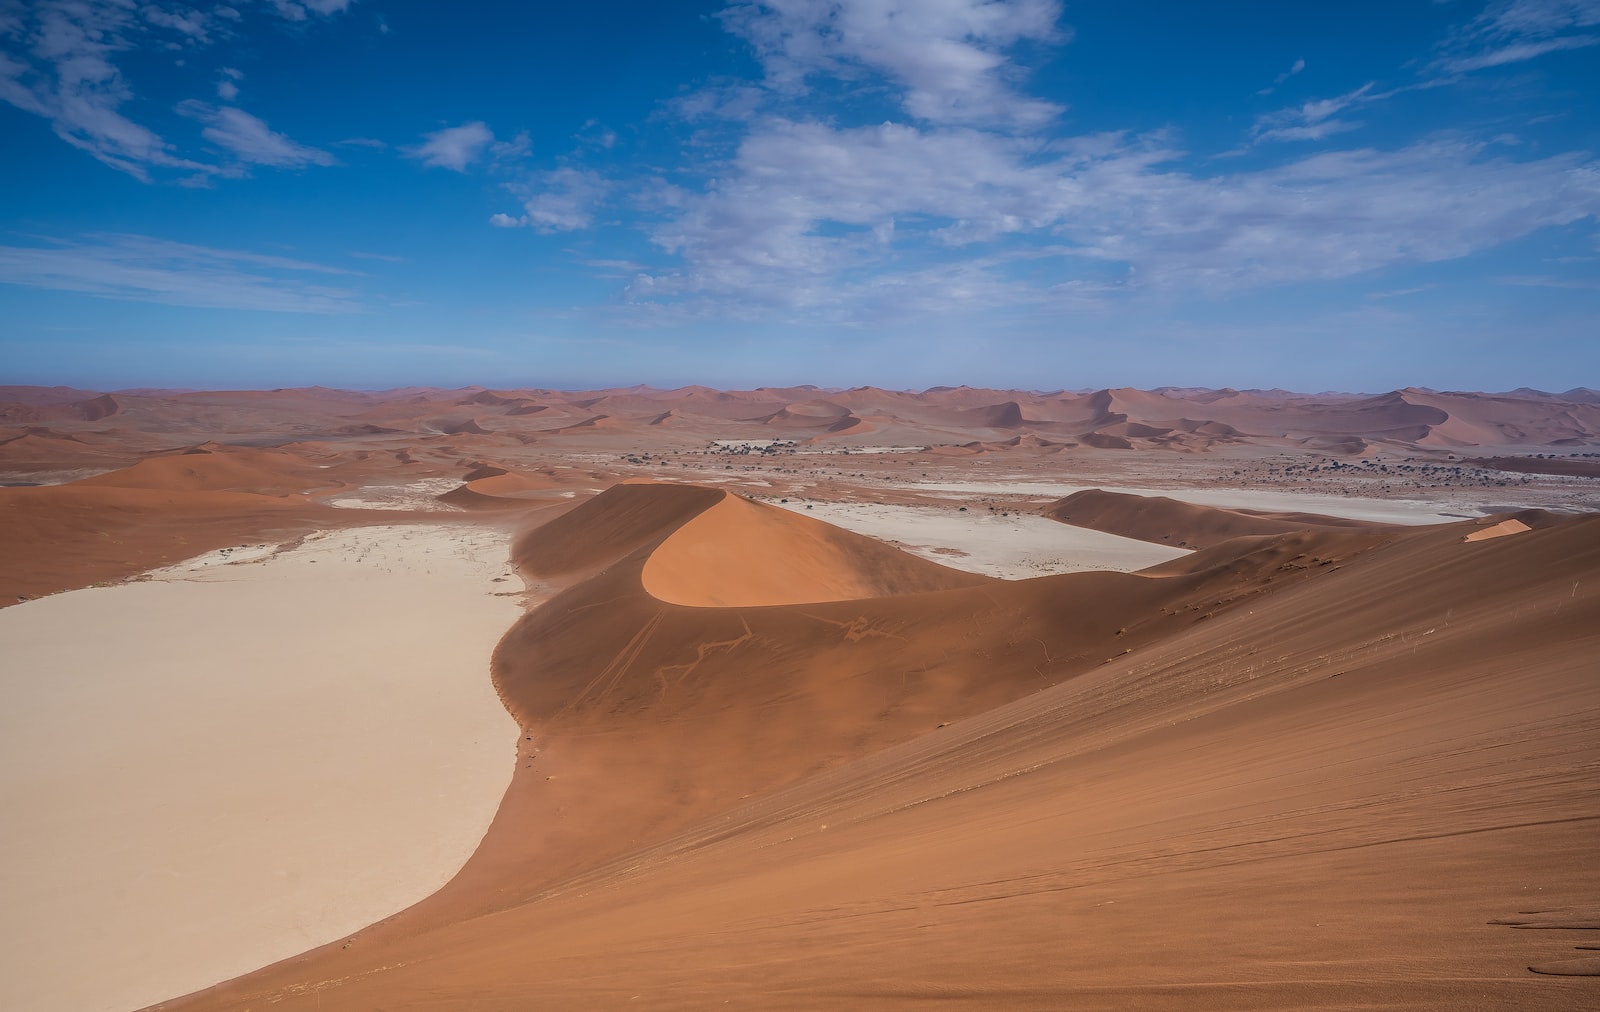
(1013, 547)
(1354, 507)
(243, 757)
(765, 761)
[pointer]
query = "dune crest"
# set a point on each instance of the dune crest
(704, 790)
(741, 553)
(1162, 520)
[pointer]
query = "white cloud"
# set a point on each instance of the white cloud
(67, 74)
(563, 200)
(142, 269)
(1310, 131)
(194, 24)
(454, 147)
(947, 57)
(1296, 68)
(63, 64)
(250, 140)
(809, 215)
(1517, 52)
(300, 10)
(1512, 31)
(1314, 120)
(517, 147)
(228, 88)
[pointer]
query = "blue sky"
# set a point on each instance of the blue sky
(1354, 196)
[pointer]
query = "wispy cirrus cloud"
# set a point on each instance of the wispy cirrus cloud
(1513, 31)
(143, 269)
(250, 141)
(62, 61)
(1315, 119)
(1295, 68)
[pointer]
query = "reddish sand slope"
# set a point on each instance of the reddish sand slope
(707, 561)
(1168, 521)
(217, 469)
(59, 537)
(1298, 770)
(173, 505)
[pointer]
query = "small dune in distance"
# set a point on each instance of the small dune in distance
(795, 698)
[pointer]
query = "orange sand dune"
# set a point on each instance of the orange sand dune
(1503, 528)
(1305, 770)
(1170, 521)
(167, 507)
(716, 559)
(491, 487)
(214, 468)
(61, 537)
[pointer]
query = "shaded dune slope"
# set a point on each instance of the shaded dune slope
(159, 511)
(212, 468)
(724, 556)
(1162, 520)
(693, 707)
(1325, 761)
(494, 488)
(61, 537)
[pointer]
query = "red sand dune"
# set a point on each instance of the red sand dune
(707, 561)
(1297, 770)
(214, 468)
(490, 487)
(55, 538)
(1162, 520)
(167, 507)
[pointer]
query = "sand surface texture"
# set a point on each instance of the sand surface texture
(1294, 770)
(248, 755)
(1338, 746)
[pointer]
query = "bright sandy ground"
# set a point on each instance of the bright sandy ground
(1014, 547)
(1390, 511)
(232, 763)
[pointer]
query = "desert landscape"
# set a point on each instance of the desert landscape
(799, 697)
(799, 504)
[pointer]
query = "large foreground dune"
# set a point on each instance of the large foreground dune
(1304, 769)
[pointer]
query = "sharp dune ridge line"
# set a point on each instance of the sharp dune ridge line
(1299, 760)
(1288, 733)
